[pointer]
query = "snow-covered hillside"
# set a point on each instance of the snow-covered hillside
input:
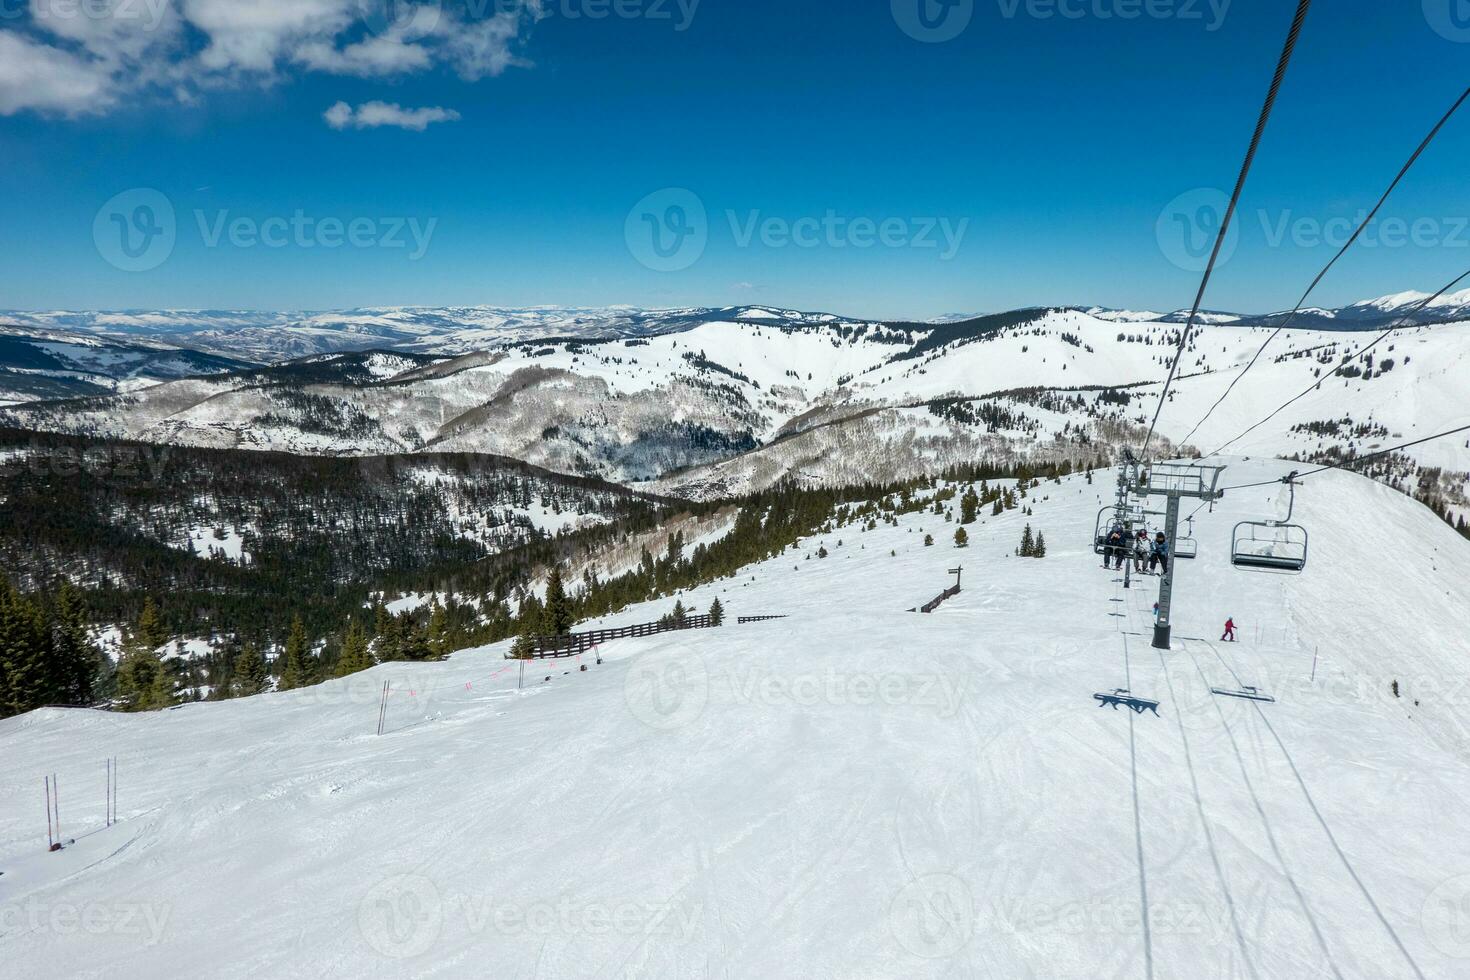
(731, 405)
(857, 790)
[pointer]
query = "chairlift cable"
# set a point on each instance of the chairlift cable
(1352, 463)
(1399, 324)
(1328, 267)
(1286, 52)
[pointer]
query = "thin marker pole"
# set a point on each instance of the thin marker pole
(50, 840)
(56, 803)
(107, 803)
(1315, 651)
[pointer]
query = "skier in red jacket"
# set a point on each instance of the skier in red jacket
(1229, 630)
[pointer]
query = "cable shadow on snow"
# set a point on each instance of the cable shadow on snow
(1266, 826)
(1322, 821)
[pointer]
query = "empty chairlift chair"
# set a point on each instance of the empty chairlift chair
(1272, 546)
(1187, 546)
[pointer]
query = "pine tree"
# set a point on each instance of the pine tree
(441, 638)
(1028, 543)
(969, 505)
(78, 662)
(24, 651)
(681, 615)
(558, 618)
(961, 539)
(928, 540)
(297, 672)
(145, 682)
(1040, 550)
(355, 656)
(716, 612)
(524, 647)
(250, 672)
(150, 630)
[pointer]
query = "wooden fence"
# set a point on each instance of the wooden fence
(553, 647)
(549, 647)
(933, 603)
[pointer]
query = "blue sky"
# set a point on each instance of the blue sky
(1050, 152)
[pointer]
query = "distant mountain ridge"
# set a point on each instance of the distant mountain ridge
(266, 337)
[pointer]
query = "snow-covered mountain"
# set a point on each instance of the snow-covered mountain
(268, 337)
(856, 790)
(274, 336)
(49, 363)
(728, 406)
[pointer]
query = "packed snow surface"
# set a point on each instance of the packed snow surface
(855, 791)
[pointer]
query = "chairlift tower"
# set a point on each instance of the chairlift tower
(1175, 482)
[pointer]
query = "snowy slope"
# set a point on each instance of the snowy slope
(731, 405)
(855, 791)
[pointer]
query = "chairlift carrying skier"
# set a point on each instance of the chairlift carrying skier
(1160, 553)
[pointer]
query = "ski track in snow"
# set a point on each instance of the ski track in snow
(854, 791)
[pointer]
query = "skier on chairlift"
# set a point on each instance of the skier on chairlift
(1229, 630)
(1140, 551)
(1117, 547)
(1160, 554)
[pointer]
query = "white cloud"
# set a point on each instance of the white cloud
(40, 77)
(371, 115)
(71, 58)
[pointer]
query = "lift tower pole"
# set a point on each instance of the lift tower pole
(1175, 482)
